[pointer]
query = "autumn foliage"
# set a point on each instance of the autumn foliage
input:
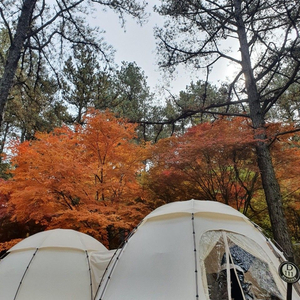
(98, 179)
(85, 179)
(212, 161)
(217, 161)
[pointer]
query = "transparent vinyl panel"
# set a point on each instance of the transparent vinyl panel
(236, 267)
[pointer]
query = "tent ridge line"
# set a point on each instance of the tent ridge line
(25, 272)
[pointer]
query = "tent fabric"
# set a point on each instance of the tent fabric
(178, 251)
(51, 265)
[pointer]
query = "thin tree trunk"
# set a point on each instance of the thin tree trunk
(3, 142)
(265, 164)
(14, 53)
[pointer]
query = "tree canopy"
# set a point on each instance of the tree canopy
(35, 27)
(85, 179)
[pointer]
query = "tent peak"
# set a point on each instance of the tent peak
(195, 207)
(60, 238)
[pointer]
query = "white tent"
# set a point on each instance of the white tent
(53, 265)
(188, 250)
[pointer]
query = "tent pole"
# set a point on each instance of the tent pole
(195, 254)
(227, 251)
(25, 273)
(289, 291)
(289, 285)
(90, 272)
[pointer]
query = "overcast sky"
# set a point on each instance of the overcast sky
(138, 44)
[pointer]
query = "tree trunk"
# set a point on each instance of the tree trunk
(14, 53)
(265, 164)
(274, 199)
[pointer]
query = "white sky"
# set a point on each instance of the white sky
(138, 44)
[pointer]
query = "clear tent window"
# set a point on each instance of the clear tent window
(236, 267)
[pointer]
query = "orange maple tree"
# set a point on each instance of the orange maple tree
(211, 161)
(85, 179)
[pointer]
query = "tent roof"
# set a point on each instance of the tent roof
(196, 207)
(53, 264)
(60, 238)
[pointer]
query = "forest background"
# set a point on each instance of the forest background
(87, 145)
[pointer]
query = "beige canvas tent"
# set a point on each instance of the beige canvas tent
(195, 250)
(184, 250)
(53, 265)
